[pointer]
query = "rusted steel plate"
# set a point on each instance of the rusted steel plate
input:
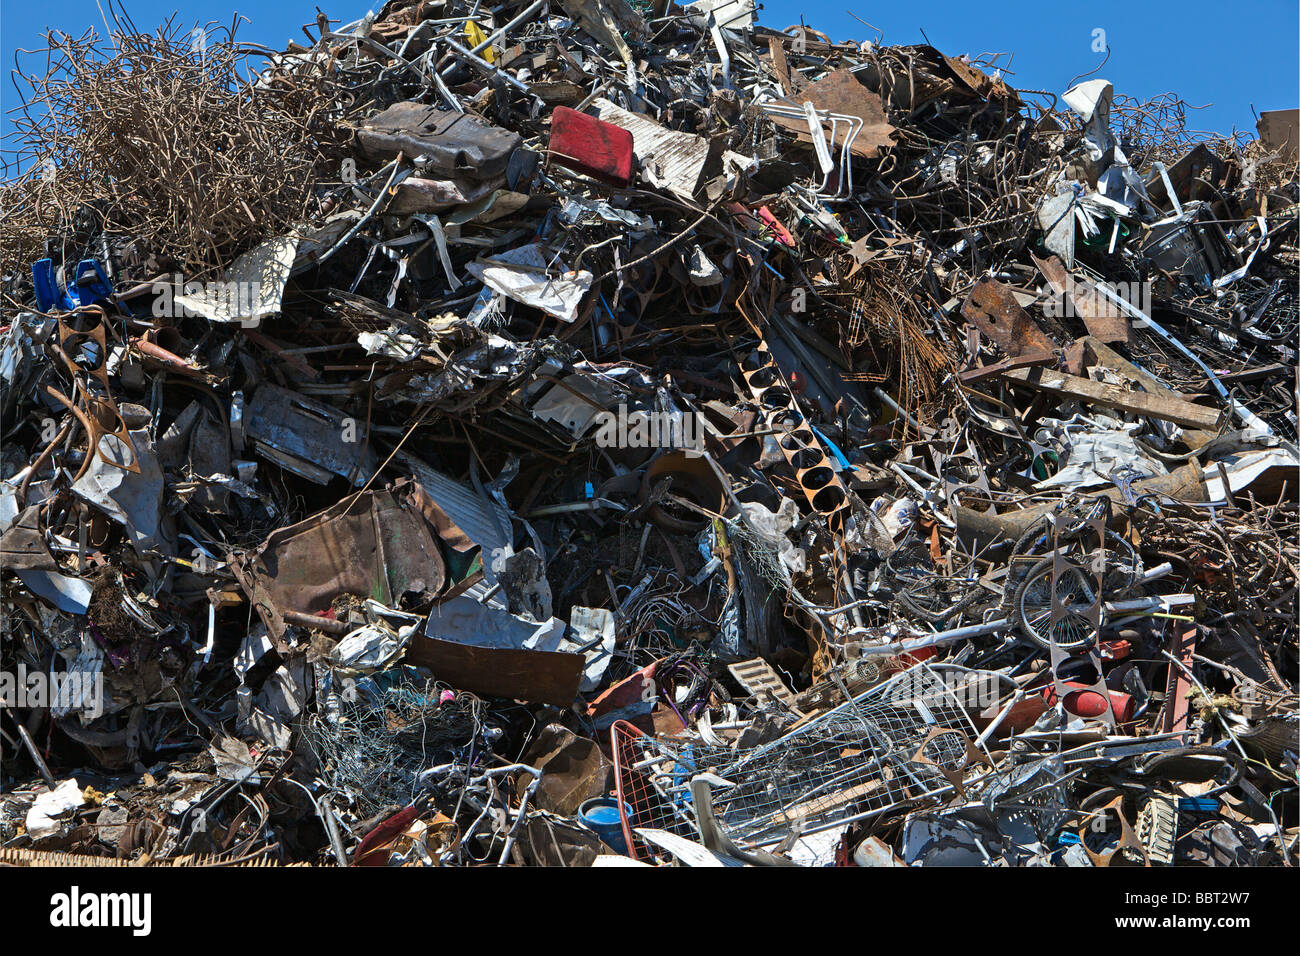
(992, 308)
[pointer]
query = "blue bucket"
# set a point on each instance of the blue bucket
(601, 815)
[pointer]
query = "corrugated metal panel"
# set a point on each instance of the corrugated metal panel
(462, 505)
(677, 159)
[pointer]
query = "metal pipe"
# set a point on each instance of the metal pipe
(1020, 695)
(32, 750)
(487, 67)
(501, 30)
(1149, 603)
(884, 397)
(383, 194)
(1159, 571)
(332, 829)
(896, 648)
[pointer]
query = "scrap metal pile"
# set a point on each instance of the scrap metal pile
(579, 432)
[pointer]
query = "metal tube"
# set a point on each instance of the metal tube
(33, 751)
(1020, 695)
(486, 66)
(500, 31)
(895, 648)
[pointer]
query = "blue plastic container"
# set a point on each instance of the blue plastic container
(601, 814)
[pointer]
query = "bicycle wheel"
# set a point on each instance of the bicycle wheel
(1124, 566)
(1033, 538)
(1033, 607)
(939, 598)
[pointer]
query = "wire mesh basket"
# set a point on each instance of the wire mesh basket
(899, 742)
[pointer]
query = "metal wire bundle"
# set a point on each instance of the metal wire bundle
(1156, 129)
(760, 555)
(888, 325)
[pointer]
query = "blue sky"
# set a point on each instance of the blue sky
(1228, 56)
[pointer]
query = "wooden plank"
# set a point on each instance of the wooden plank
(1099, 353)
(1024, 360)
(1103, 318)
(789, 816)
(1111, 396)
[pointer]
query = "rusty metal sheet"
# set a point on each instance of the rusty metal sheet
(840, 92)
(1178, 707)
(977, 81)
(377, 545)
(574, 769)
(1198, 163)
(1279, 131)
(23, 547)
(545, 677)
(992, 308)
(1104, 320)
(266, 608)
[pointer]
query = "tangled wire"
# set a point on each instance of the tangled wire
(1243, 563)
(393, 727)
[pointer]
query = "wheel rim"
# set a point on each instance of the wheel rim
(1073, 629)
